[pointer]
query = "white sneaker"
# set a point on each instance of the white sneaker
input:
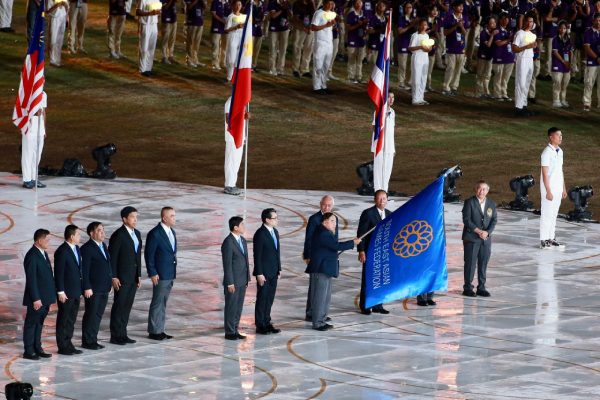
(174, 61)
(81, 50)
(440, 66)
(54, 64)
(190, 64)
(333, 77)
(280, 73)
(361, 81)
(72, 50)
(565, 104)
(574, 69)
(218, 68)
(557, 104)
(464, 71)
(272, 72)
(199, 64)
(352, 80)
(121, 55)
(114, 55)
(166, 61)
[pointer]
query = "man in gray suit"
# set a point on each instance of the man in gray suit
(480, 217)
(236, 269)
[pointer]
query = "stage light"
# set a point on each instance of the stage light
(520, 185)
(365, 173)
(18, 391)
(579, 195)
(450, 184)
(102, 156)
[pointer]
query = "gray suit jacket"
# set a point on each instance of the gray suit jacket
(473, 218)
(236, 267)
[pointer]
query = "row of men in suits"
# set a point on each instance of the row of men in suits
(95, 270)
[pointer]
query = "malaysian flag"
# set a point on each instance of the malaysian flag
(378, 89)
(29, 99)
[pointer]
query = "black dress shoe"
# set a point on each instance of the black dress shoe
(240, 336)
(117, 341)
(483, 293)
(366, 312)
(431, 302)
(329, 326)
(74, 350)
(100, 346)
(382, 311)
(33, 356)
(261, 330)
(327, 91)
(156, 336)
(321, 328)
(272, 329)
(326, 319)
(308, 318)
(532, 100)
(126, 339)
(469, 293)
(307, 75)
(422, 303)
(66, 352)
(43, 354)
(147, 74)
(166, 336)
(231, 336)
(319, 91)
(92, 346)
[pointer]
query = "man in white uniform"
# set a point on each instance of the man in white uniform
(552, 189)
(31, 154)
(6, 16)
(56, 13)
(524, 65)
(381, 176)
(233, 155)
(148, 28)
(322, 47)
(235, 31)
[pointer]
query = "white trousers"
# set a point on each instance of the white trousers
(523, 75)
(128, 4)
(549, 212)
(30, 157)
(233, 159)
(231, 55)
(420, 69)
(381, 180)
(57, 37)
(148, 37)
(322, 55)
(5, 13)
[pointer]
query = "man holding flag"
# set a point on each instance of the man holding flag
(236, 112)
(29, 113)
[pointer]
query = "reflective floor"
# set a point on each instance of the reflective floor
(537, 337)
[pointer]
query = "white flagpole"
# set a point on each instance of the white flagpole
(246, 123)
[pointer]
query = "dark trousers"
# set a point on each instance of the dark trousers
(121, 308)
(477, 254)
(361, 302)
(157, 314)
(32, 10)
(308, 304)
(234, 304)
(265, 295)
(94, 309)
(65, 322)
(32, 330)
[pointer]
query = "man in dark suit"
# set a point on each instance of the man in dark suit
(161, 264)
(69, 288)
(97, 284)
(314, 221)
(236, 276)
(125, 248)
(267, 270)
(39, 294)
(323, 266)
(480, 218)
(368, 220)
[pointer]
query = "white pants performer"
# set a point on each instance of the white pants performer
(148, 37)
(549, 212)
(128, 4)
(321, 61)
(231, 55)
(381, 178)
(420, 68)
(5, 13)
(333, 55)
(233, 159)
(31, 155)
(56, 37)
(523, 76)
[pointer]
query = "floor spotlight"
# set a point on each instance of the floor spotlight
(579, 196)
(365, 173)
(102, 156)
(450, 184)
(520, 185)
(18, 391)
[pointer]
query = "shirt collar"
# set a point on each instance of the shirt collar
(43, 252)
(129, 230)
(552, 147)
(269, 228)
(166, 228)
(594, 29)
(481, 202)
(97, 243)
(237, 238)
(72, 246)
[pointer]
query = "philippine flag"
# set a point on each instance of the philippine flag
(242, 85)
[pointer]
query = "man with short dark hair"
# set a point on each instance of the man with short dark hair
(125, 248)
(552, 189)
(39, 294)
(161, 263)
(524, 65)
(69, 288)
(479, 217)
(236, 276)
(267, 270)
(97, 284)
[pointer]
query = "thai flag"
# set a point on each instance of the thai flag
(29, 98)
(242, 85)
(378, 89)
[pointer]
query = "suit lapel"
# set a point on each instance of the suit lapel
(478, 205)
(130, 238)
(165, 237)
(237, 244)
(73, 254)
(377, 215)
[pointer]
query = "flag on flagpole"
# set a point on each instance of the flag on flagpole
(29, 98)
(378, 89)
(407, 252)
(242, 85)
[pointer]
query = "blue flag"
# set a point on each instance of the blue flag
(407, 252)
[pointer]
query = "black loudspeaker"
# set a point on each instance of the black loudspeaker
(18, 391)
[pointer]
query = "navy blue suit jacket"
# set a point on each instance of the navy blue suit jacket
(67, 271)
(39, 281)
(324, 252)
(160, 258)
(95, 269)
(267, 258)
(313, 222)
(368, 219)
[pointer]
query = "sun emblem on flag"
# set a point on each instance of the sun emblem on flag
(413, 239)
(248, 47)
